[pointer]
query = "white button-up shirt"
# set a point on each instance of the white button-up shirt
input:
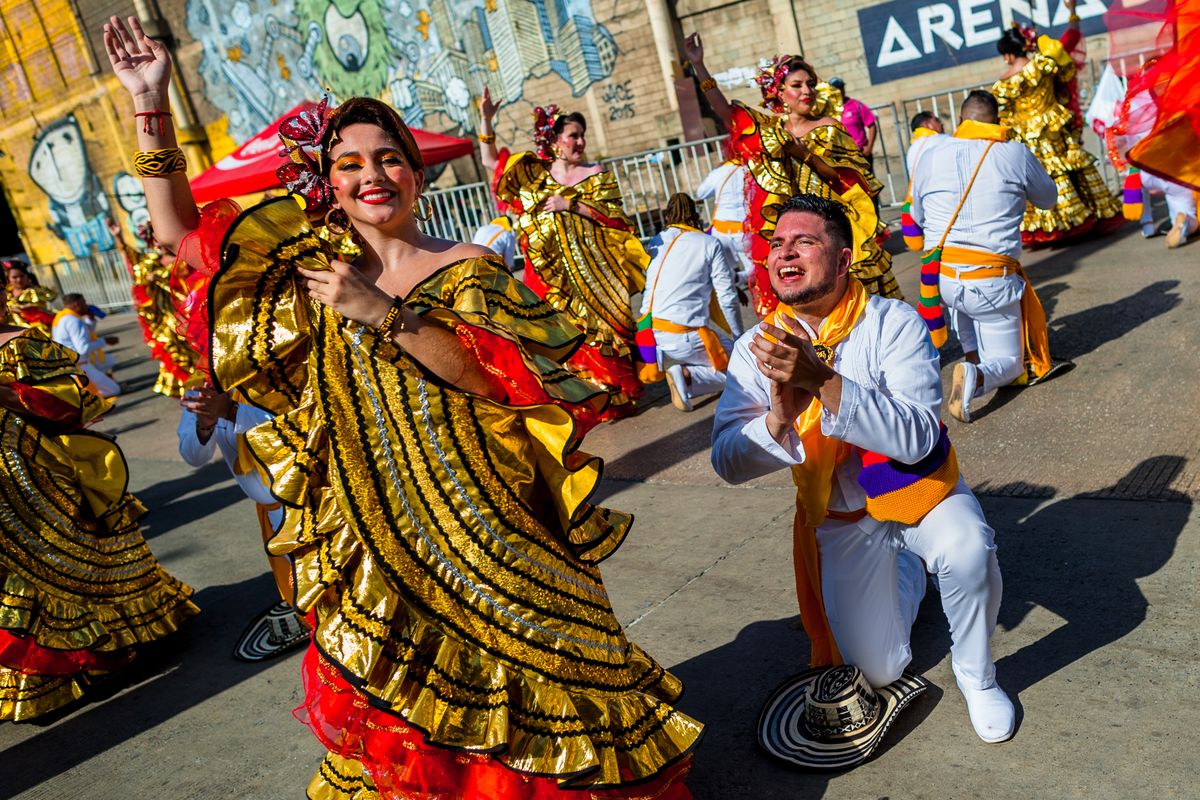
(74, 332)
(682, 277)
(499, 240)
(224, 438)
(727, 186)
(990, 219)
(891, 403)
(915, 149)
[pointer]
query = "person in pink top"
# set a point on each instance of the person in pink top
(859, 122)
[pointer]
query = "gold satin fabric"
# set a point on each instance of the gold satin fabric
(75, 572)
(590, 270)
(1033, 104)
(444, 541)
(37, 296)
(157, 311)
(782, 178)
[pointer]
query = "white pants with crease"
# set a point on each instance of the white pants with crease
(104, 384)
(872, 587)
(991, 307)
(687, 349)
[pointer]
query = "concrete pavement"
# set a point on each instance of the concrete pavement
(1089, 480)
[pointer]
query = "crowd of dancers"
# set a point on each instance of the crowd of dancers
(407, 420)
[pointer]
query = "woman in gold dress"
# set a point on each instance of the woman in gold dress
(791, 151)
(1035, 93)
(79, 588)
(27, 301)
(436, 508)
(155, 301)
(582, 256)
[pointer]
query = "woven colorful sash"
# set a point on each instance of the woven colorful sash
(1132, 207)
(930, 302)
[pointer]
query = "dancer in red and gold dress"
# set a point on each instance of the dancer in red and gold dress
(79, 588)
(792, 151)
(582, 256)
(27, 301)
(424, 449)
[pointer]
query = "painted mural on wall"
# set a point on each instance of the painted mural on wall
(78, 206)
(428, 58)
(131, 197)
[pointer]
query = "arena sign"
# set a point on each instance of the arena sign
(911, 37)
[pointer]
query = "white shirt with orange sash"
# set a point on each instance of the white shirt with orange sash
(498, 237)
(726, 185)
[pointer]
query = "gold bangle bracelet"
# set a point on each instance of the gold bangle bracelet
(487, 138)
(157, 163)
(1073, 18)
(707, 85)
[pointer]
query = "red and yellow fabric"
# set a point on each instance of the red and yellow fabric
(1032, 104)
(1036, 337)
(155, 298)
(759, 140)
(78, 586)
(442, 542)
(1174, 80)
(905, 501)
(27, 308)
(585, 267)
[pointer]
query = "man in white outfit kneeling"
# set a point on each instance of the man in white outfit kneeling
(843, 388)
(692, 296)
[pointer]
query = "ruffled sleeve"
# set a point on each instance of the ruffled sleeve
(193, 271)
(46, 383)
(834, 146)
(1052, 58)
(758, 139)
(521, 182)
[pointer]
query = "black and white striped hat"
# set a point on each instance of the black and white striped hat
(829, 718)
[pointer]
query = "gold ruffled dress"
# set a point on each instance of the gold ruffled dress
(78, 586)
(758, 139)
(443, 544)
(1033, 104)
(28, 308)
(155, 302)
(586, 268)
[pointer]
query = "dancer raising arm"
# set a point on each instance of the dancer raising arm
(791, 151)
(582, 256)
(424, 448)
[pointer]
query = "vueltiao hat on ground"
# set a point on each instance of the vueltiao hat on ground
(829, 718)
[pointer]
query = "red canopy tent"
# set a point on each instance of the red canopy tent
(251, 167)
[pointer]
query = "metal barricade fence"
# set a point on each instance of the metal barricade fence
(459, 211)
(649, 178)
(102, 278)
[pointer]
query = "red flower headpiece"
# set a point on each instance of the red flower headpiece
(301, 136)
(145, 232)
(1029, 33)
(543, 130)
(770, 82)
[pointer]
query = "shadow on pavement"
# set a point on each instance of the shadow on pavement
(167, 678)
(1084, 331)
(169, 509)
(658, 455)
(1080, 559)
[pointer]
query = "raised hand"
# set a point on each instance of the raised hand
(142, 65)
(487, 106)
(693, 48)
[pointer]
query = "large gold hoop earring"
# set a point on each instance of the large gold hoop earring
(337, 222)
(423, 208)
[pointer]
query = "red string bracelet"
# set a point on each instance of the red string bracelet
(150, 116)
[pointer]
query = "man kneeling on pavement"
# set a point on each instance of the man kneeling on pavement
(843, 388)
(691, 304)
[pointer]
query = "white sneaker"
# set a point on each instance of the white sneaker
(962, 389)
(992, 713)
(1179, 231)
(678, 386)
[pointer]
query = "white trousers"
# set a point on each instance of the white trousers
(872, 586)
(688, 350)
(105, 385)
(991, 307)
(963, 329)
(1179, 199)
(735, 247)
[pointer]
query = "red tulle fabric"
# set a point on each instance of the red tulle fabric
(46, 407)
(512, 380)
(199, 259)
(498, 172)
(36, 316)
(403, 765)
(23, 654)
(610, 371)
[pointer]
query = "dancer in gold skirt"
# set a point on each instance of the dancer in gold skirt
(792, 151)
(79, 588)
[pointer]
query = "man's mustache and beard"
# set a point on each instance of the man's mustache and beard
(796, 297)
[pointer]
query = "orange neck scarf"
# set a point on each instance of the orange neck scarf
(972, 129)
